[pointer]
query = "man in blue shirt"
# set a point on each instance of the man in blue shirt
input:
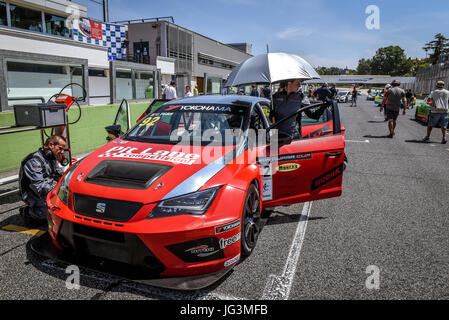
(323, 92)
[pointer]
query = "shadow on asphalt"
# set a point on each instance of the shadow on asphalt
(109, 283)
(423, 142)
(11, 198)
(376, 121)
(282, 218)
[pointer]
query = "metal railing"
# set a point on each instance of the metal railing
(156, 19)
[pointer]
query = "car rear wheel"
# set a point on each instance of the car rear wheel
(251, 217)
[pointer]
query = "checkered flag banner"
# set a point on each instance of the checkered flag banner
(111, 36)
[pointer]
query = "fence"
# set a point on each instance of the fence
(427, 78)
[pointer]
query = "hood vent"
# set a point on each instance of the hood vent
(126, 174)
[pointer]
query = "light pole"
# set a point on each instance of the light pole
(105, 5)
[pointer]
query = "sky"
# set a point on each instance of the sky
(324, 32)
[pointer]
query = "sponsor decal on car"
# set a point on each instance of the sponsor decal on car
(206, 108)
(159, 155)
(288, 167)
(267, 188)
(199, 250)
(287, 157)
(227, 227)
(202, 250)
(327, 177)
(232, 260)
(227, 242)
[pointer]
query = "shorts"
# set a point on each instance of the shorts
(436, 119)
(354, 99)
(391, 114)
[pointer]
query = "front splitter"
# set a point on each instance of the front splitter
(44, 246)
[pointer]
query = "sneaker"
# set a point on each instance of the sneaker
(426, 139)
(391, 135)
(444, 141)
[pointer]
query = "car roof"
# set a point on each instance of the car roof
(219, 99)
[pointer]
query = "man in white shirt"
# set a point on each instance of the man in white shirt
(439, 110)
(170, 91)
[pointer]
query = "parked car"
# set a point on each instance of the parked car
(372, 95)
(343, 96)
(171, 205)
(423, 110)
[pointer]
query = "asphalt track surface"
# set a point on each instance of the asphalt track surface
(393, 217)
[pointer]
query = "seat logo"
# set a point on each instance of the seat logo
(288, 167)
(101, 207)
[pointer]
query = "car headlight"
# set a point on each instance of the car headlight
(63, 191)
(196, 203)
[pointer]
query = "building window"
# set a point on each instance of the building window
(97, 73)
(40, 81)
(56, 25)
(24, 18)
(213, 85)
(3, 19)
(144, 85)
(209, 61)
(180, 48)
(123, 84)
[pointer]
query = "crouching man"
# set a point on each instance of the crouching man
(39, 175)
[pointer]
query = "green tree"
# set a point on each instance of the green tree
(437, 47)
(324, 71)
(364, 66)
(418, 64)
(391, 61)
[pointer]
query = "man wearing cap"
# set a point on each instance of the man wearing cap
(439, 109)
(392, 104)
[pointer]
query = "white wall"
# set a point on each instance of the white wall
(97, 56)
(99, 86)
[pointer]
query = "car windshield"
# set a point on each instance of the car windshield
(343, 93)
(191, 124)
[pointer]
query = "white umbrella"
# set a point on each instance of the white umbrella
(271, 68)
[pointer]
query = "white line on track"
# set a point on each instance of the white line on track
(278, 287)
(358, 141)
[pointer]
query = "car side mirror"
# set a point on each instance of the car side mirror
(113, 132)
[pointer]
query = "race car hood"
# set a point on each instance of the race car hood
(146, 173)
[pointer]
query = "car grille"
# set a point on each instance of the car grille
(110, 251)
(105, 209)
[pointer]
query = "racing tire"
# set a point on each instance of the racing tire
(251, 220)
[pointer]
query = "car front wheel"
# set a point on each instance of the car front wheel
(251, 220)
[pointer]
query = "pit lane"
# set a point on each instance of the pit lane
(392, 214)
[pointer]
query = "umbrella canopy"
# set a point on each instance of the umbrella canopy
(271, 68)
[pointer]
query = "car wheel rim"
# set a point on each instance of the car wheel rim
(252, 217)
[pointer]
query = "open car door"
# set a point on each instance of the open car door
(310, 168)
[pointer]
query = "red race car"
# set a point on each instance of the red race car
(179, 199)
